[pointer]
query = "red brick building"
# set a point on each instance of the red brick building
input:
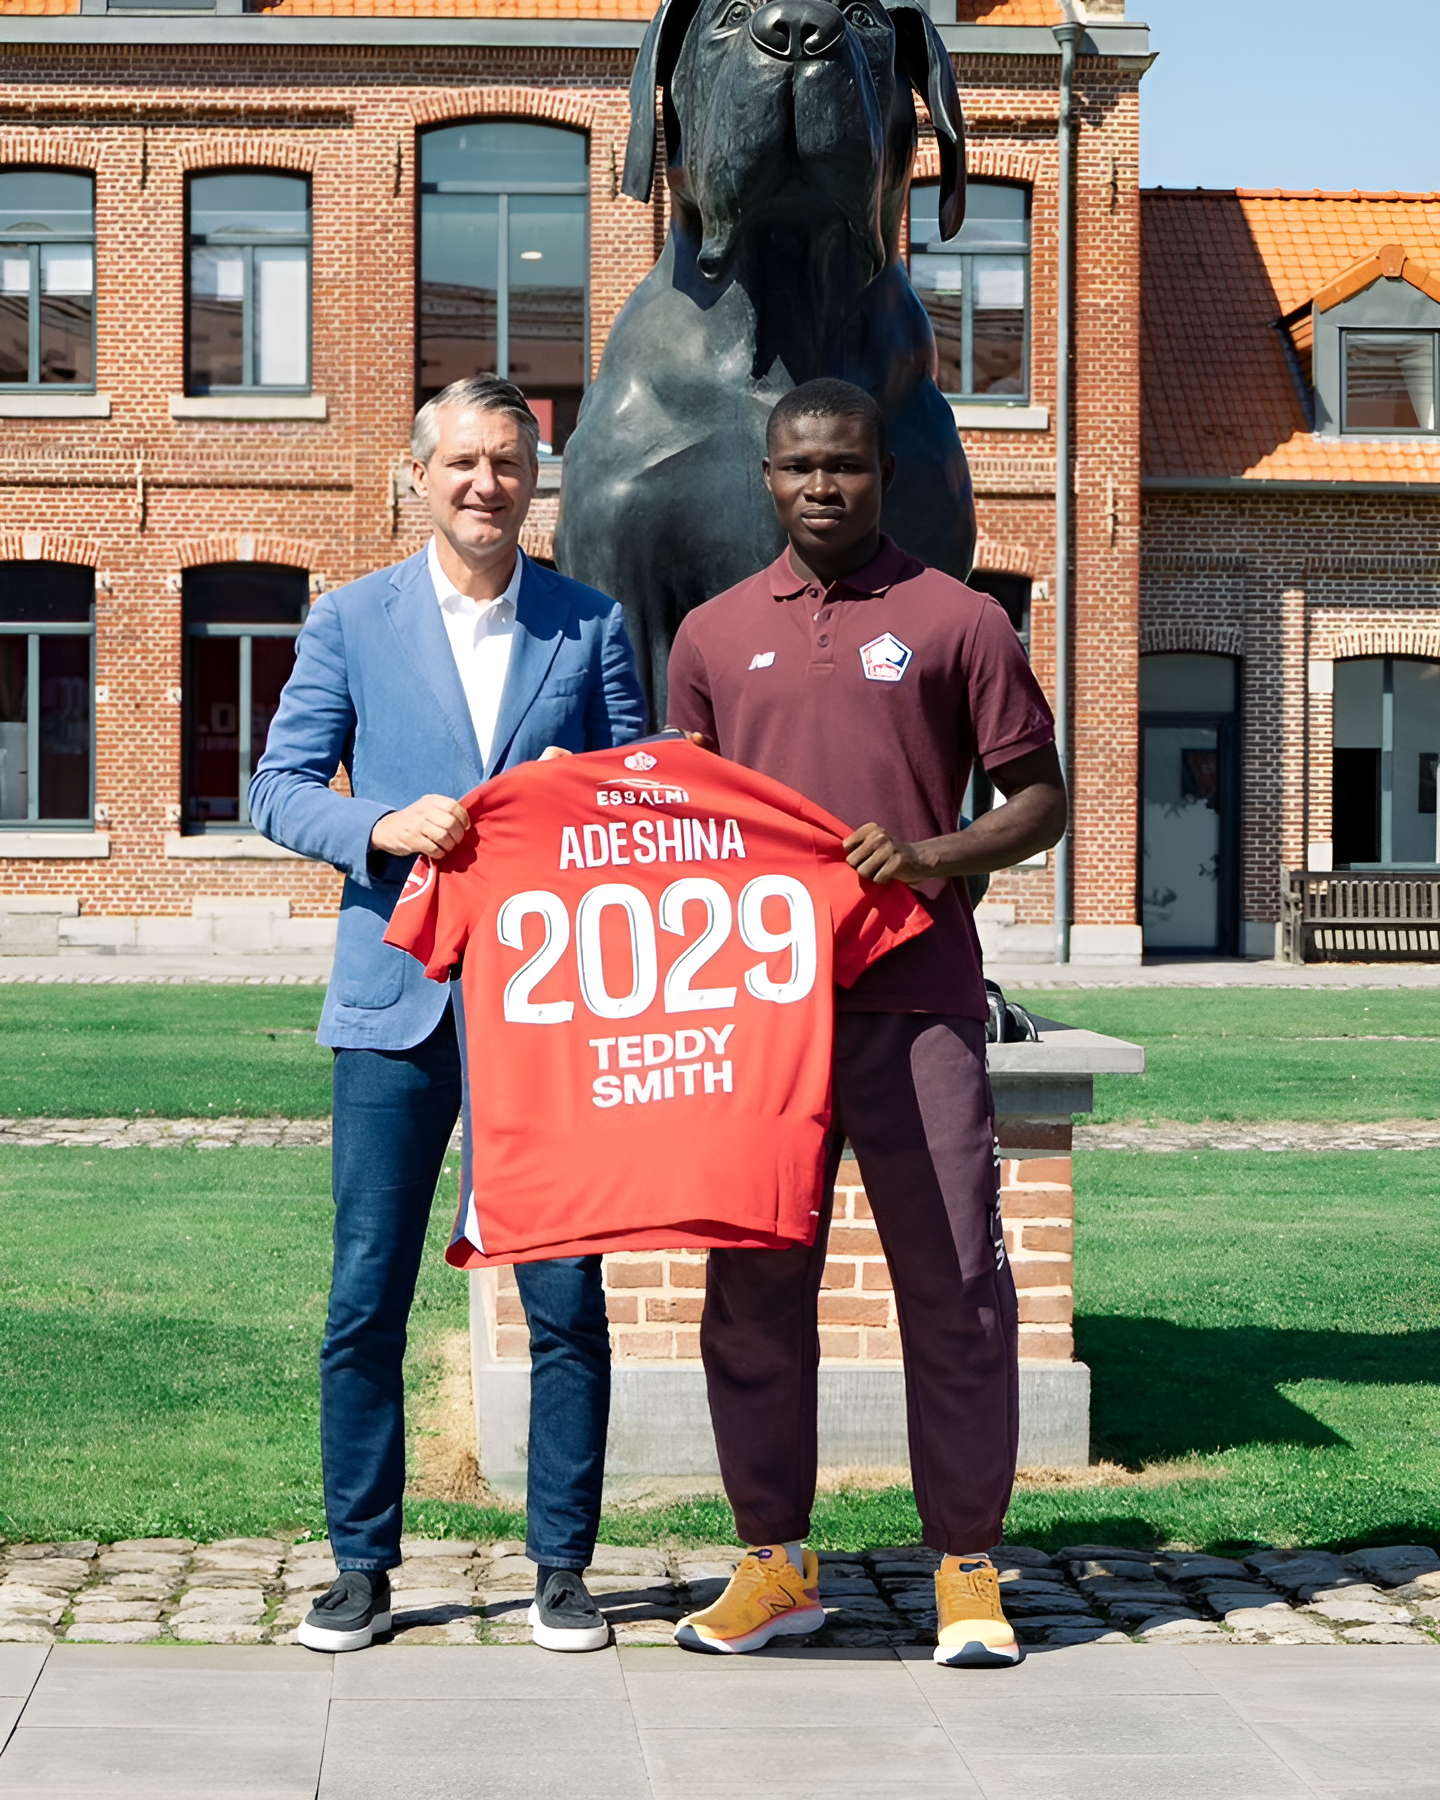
(239, 243)
(1289, 626)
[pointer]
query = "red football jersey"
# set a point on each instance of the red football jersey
(647, 939)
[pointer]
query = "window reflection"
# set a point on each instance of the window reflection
(47, 723)
(241, 622)
(47, 278)
(249, 313)
(1389, 381)
(503, 211)
(1385, 742)
(975, 287)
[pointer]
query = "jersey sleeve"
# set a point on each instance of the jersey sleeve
(432, 917)
(868, 920)
(1008, 710)
(689, 705)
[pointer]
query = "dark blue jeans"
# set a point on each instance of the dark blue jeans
(394, 1112)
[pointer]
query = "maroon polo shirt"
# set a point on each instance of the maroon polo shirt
(872, 697)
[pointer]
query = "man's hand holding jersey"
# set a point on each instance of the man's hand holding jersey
(431, 826)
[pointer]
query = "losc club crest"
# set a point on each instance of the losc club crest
(885, 658)
(641, 760)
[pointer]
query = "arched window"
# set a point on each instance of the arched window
(47, 278)
(976, 288)
(1386, 742)
(249, 306)
(241, 622)
(503, 264)
(47, 676)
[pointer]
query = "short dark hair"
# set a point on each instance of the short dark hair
(477, 393)
(827, 399)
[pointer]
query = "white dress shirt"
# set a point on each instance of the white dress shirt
(480, 633)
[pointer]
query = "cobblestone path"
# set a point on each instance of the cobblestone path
(149, 1134)
(256, 1590)
(287, 1134)
(1389, 1134)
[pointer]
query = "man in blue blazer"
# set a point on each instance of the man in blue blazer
(421, 681)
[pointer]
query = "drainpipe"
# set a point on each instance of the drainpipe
(1068, 35)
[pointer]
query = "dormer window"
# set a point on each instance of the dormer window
(1389, 380)
(1374, 339)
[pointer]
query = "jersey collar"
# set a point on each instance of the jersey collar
(889, 566)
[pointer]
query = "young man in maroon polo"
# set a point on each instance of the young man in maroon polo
(871, 684)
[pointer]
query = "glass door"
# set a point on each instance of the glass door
(1188, 784)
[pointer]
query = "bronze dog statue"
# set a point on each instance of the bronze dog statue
(790, 135)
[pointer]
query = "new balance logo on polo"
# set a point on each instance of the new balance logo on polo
(885, 658)
(762, 659)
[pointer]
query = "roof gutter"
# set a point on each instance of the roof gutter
(1126, 40)
(1245, 484)
(1068, 36)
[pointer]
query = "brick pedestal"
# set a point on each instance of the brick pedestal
(655, 1298)
(660, 1422)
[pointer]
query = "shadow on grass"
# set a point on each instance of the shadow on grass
(1163, 1391)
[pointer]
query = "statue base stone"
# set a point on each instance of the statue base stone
(660, 1422)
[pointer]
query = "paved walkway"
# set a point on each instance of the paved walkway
(277, 969)
(1121, 1722)
(1190, 971)
(1166, 1134)
(270, 969)
(297, 1134)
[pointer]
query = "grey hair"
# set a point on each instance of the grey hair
(481, 393)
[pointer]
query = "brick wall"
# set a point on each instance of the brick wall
(1281, 581)
(140, 496)
(655, 1298)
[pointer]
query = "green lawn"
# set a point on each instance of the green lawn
(1271, 1321)
(1262, 1053)
(160, 1318)
(1213, 1053)
(180, 1052)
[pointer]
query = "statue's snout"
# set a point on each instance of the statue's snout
(797, 30)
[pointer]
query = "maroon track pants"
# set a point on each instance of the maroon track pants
(911, 1093)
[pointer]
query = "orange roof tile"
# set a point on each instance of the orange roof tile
(969, 12)
(1390, 260)
(1008, 12)
(460, 9)
(1217, 269)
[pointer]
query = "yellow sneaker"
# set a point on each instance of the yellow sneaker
(767, 1597)
(972, 1630)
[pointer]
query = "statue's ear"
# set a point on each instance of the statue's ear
(925, 63)
(653, 68)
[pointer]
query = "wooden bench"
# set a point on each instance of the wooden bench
(1345, 917)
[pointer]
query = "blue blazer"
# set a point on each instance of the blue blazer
(375, 688)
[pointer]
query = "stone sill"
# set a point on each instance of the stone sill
(237, 846)
(55, 846)
(1000, 418)
(54, 406)
(1066, 1050)
(54, 906)
(249, 406)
